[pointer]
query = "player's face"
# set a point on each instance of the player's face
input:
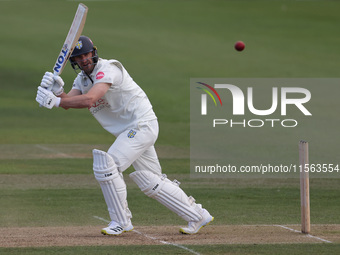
(85, 62)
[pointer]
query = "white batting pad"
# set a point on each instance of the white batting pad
(168, 193)
(113, 187)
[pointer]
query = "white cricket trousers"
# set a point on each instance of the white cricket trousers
(135, 147)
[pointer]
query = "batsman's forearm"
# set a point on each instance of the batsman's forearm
(80, 101)
(74, 99)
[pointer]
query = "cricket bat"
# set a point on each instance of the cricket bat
(71, 39)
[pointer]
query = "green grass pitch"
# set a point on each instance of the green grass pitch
(162, 44)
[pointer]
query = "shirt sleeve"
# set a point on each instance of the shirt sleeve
(76, 83)
(111, 74)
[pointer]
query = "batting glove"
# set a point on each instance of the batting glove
(46, 98)
(53, 83)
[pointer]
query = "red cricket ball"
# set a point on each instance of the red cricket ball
(239, 46)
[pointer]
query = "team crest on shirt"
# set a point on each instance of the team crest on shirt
(132, 133)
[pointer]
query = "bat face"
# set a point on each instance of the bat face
(71, 39)
(62, 59)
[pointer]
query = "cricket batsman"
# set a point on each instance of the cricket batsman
(123, 109)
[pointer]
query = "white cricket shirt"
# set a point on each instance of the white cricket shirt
(124, 105)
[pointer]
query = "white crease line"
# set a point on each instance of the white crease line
(52, 150)
(154, 238)
(167, 243)
(102, 219)
(308, 235)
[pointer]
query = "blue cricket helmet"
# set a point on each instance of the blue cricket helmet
(83, 46)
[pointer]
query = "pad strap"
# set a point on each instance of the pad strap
(168, 193)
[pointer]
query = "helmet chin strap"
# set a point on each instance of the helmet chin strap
(88, 76)
(74, 64)
(76, 71)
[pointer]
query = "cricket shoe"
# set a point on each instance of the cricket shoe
(115, 229)
(194, 227)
